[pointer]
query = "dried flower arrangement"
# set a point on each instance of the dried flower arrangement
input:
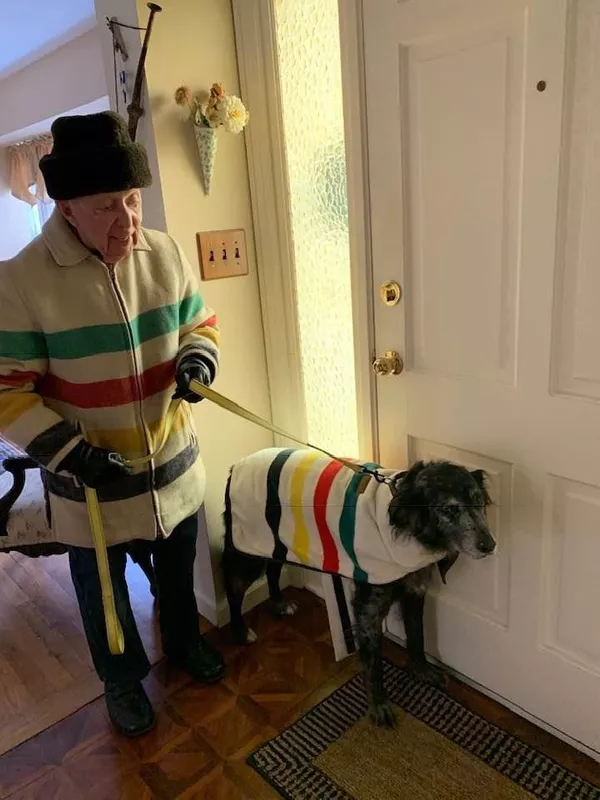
(220, 111)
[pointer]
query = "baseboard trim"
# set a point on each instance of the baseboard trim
(206, 607)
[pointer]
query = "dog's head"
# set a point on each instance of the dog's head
(443, 506)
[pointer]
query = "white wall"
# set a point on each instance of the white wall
(69, 77)
(15, 228)
(126, 11)
(69, 80)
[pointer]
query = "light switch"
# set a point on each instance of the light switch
(222, 254)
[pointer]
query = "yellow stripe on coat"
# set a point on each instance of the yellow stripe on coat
(128, 441)
(14, 405)
(301, 545)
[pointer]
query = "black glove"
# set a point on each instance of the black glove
(190, 369)
(94, 466)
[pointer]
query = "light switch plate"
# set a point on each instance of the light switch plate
(222, 254)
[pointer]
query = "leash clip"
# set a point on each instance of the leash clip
(378, 476)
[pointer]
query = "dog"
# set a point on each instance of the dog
(426, 517)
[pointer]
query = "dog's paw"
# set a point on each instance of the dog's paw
(251, 637)
(283, 608)
(244, 636)
(383, 715)
(430, 674)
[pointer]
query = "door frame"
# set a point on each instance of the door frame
(254, 24)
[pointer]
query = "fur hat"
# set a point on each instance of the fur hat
(93, 154)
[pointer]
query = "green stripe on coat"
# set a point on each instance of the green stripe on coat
(95, 340)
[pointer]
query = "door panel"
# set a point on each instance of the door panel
(462, 128)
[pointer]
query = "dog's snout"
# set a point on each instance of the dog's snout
(486, 544)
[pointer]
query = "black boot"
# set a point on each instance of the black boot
(202, 662)
(129, 709)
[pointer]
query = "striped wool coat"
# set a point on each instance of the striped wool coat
(83, 344)
(302, 507)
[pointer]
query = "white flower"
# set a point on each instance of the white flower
(231, 113)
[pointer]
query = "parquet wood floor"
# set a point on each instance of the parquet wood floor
(204, 734)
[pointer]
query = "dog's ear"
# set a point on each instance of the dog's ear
(408, 502)
(482, 481)
(445, 564)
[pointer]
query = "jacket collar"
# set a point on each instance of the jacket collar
(64, 245)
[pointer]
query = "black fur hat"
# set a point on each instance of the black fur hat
(93, 154)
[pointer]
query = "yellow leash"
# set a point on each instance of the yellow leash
(114, 631)
(240, 411)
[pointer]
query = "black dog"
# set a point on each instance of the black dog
(440, 505)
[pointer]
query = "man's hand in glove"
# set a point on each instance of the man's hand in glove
(191, 369)
(94, 466)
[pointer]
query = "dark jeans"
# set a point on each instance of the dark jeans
(178, 613)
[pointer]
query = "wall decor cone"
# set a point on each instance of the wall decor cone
(206, 139)
(221, 110)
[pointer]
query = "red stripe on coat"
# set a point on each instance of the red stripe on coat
(331, 559)
(112, 392)
(18, 379)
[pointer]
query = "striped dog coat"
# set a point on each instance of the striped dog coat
(301, 507)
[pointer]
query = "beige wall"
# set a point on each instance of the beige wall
(193, 42)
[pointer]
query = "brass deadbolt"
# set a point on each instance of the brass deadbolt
(390, 293)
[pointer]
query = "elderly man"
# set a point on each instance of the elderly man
(100, 320)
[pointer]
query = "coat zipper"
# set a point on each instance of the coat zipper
(136, 372)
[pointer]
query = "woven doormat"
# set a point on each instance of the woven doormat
(439, 749)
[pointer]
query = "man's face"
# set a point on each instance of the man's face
(109, 223)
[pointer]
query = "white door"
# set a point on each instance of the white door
(499, 323)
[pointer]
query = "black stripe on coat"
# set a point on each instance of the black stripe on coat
(45, 446)
(130, 485)
(273, 506)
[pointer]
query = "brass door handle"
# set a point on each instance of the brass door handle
(388, 364)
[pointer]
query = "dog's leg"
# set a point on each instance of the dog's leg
(147, 567)
(239, 573)
(371, 605)
(412, 606)
(141, 554)
(279, 605)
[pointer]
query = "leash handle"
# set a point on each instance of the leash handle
(114, 631)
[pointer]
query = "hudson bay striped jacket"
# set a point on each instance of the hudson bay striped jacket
(301, 507)
(82, 344)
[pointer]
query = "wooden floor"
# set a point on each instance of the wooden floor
(204, 734)
(45, 668)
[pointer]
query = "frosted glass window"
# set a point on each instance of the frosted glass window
(311, 84)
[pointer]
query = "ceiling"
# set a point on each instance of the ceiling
(32, 29)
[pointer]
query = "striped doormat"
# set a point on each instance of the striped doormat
(439, 749)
